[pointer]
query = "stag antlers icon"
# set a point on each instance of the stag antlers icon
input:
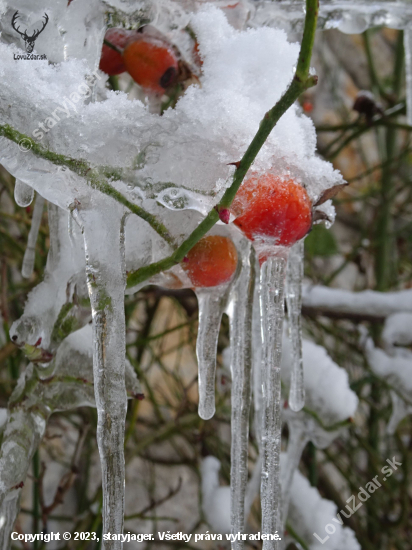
(29, 40)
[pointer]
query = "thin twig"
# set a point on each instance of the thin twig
(97, 178)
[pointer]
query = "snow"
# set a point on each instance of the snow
(397, 331)
(397, 370)
(310, 513)
(326, 384)
(363, 303)
(216, 498)
(213, 122)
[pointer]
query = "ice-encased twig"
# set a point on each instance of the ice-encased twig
(211, 303)
(29, 255)
(106, 279)
(65, 384)
(24, 429)
(240, 314)
(272, 312)
(23, 193)
(294, 278)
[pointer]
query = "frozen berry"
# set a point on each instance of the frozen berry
(111, 61)
(272, 207)
(211, 262)
(151, 63)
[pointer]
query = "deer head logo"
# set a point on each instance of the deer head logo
(29, 40)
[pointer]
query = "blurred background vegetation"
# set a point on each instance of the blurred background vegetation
(368, 247)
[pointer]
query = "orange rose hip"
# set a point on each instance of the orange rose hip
(211, 262)
(151, 63)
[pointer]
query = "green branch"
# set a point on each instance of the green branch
(95, 177)
(302, 80)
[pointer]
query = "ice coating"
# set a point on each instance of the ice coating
(181, 147)
(117, 150)
(257, 358)
(106, 280)
(294, 278)
(240, 315)
(30, 252)
(64, 278)
(23, 194)
(211, 304)
(272, 313)
(66, 384)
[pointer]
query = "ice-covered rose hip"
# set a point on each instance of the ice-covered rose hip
(151, 62)
(211, 262)
(111, 61)
(269, 206)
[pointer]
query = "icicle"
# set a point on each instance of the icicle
(240, 313)
(23, 193)
(257, 358)
(53, 214)
(106, 277)
(29, 255)
(211, 306)
(298, 438)
(294, 279)
(272, 311)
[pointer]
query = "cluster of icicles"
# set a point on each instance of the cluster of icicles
(254, 302)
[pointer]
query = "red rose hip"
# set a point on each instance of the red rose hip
(111, 61)
(269, 206)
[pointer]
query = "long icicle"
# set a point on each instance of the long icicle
(211, 306)
(29, 255)
(240, 314)
(272, 311)
(257, 358)
(294, 278)
(106, 277)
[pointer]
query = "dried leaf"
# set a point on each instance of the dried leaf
(330, 193)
